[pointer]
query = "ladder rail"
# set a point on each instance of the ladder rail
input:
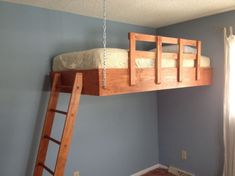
(48, 123)
(68, 128)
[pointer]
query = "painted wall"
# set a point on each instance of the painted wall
(192, 119)
(113, 136)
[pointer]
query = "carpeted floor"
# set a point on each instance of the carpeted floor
(158, 172)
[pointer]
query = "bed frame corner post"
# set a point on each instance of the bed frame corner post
(132, 56)
(180, 59)
(158, 60)
(198, 59)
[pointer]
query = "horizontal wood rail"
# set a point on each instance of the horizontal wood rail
(152, 55)
(142, 37)
(158, 54)
(61, 87)
(58, 111)
(52, 139)
(47, 168)
(189, 42)
(169, 40)
(145, 54)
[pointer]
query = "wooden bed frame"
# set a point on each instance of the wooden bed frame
(119, 81)
(132, 79)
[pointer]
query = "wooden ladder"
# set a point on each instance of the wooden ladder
(64, 143)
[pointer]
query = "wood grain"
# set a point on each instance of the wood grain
(48, 123)
(180, 59)
(198, 60)
(169, 40)
(158, 60)
(188, 42)
(132, 56)
(69, 126)
(144, 37)
(75, 82)
(118, 80)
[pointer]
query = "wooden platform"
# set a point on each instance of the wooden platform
(118, 80)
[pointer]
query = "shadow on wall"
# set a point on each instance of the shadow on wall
(38, 126)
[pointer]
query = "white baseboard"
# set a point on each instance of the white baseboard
(149, 169)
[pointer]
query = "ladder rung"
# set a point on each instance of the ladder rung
(48, 169)
(58, 111)
(52, 139)
(64, 87)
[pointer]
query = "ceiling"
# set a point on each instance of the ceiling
(151, 13)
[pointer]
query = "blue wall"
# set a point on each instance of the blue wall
(192, 119)
(113, 136)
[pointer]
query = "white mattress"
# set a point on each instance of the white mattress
(116, 58)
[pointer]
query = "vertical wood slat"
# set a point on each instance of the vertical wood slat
(132, 56)
(198, 60)
(158, 59)
(69, 126)
(180, 59)
(48, 122)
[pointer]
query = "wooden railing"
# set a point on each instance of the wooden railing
(159, 54)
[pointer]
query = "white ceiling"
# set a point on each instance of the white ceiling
(152, 13)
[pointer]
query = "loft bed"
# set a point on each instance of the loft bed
(159, 69)
(166, 67)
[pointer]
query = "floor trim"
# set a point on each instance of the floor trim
(149, 169)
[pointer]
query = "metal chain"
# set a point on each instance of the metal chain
(104, 44)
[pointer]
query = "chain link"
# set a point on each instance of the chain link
(104, 44)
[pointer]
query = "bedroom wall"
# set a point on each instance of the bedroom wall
(192, 119)
(114, 135)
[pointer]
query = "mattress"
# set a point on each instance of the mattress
(117, 58)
